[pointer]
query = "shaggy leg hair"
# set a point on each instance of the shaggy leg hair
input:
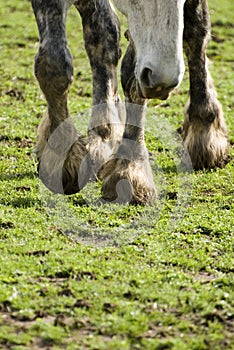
(127, 177)
(64, 165)
(207, 142)
(204, 129)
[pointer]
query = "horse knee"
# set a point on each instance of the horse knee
(54, 70)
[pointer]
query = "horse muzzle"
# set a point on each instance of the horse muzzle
(151, 84)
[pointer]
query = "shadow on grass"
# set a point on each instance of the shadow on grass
(23, 202)
(27, 175)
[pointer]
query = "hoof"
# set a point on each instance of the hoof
(127, 181)
(65, 174)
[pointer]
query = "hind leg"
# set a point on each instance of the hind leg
(204, 129)
(101, 36)
(59, 150)
(127, 177)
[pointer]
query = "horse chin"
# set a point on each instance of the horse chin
(151, 93)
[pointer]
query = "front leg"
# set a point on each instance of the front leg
(204, 129)
(60, 151)
(127, 177)
(101, 36)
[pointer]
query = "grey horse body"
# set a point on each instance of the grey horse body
(67, 170)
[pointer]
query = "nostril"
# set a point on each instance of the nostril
(146, 77)
(152, 78)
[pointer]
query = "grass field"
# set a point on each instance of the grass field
(165, 277)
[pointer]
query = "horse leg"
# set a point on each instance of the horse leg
(204, 130)
(59, 150)
(127, 176)
(101, 36)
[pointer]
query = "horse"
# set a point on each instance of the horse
(159, 31)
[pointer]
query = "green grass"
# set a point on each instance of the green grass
(161, 277)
